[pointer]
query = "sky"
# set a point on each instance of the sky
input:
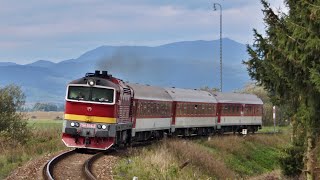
(58, 30)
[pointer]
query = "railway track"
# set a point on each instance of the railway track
(85, 170)
(48, 168)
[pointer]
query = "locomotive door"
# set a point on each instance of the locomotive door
(124, 106)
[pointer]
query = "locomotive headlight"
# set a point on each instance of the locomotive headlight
(99, 126)
(104, 127)
(91, 82)
(77, 124)
(72, 124)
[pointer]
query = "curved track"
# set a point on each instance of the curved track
(87, 168)
(48, 168)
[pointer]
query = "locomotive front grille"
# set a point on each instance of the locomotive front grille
(87, 132)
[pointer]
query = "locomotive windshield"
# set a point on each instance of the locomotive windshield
(91, 94)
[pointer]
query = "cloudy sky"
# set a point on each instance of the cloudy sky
(57, 30)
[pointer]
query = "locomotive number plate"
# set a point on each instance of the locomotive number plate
(85, 125)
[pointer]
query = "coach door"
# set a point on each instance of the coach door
(219, 109)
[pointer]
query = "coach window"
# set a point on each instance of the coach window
(224, 110)
(233, 109)
(200, 108)
(164, 108)
(257, 110)
(191, 106)
(158, 108)
(169, 110)
(236, 110)
(205, 109)
(162, 111)
(150, 108)
(154, 108)
(195, 109)
(178, 109)
(188, 109)
(248, 110)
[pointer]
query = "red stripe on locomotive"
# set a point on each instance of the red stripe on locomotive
(89, 109)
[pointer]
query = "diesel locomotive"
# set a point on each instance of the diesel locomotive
(102, 111)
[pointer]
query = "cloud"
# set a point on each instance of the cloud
(74, 23)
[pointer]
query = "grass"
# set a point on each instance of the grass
(271, 129)
(45, 138)
(220, 157)
(45, 123)
(156, 162)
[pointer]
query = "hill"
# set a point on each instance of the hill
(188, 64)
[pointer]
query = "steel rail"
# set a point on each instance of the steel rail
(87, 168)
(48, 168)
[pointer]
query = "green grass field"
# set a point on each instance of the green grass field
(277, 129)
(220, 157)
(45, 123)
(45, 138)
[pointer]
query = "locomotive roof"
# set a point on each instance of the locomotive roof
(149, 92)
(237, 98)
(190, 95)
(100, 81)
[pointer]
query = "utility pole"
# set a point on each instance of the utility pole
(215, 8)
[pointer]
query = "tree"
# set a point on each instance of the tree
(45, 107)
(12, 122)
(286, 61)
(267, 118)
(207, 88)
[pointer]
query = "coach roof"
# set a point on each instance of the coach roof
(237, 98)
(149, 92)
(190, 95)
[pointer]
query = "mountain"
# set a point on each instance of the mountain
(188, 64)
(41, 63)
(7, 64)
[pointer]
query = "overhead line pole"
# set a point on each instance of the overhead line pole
(215, 8)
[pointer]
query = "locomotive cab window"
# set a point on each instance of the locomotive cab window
(90, 94)
(102, 95)
(78, 93)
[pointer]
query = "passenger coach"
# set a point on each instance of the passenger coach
(238, 111)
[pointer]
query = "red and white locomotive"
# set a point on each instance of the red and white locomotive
(102, 111)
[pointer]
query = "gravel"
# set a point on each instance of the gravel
(102, 167)
(32, 169)
(68, 169)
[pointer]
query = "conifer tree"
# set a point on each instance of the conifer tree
(286, 61)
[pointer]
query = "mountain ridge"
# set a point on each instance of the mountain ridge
(187, 64)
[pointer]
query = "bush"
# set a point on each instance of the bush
(291, 162)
